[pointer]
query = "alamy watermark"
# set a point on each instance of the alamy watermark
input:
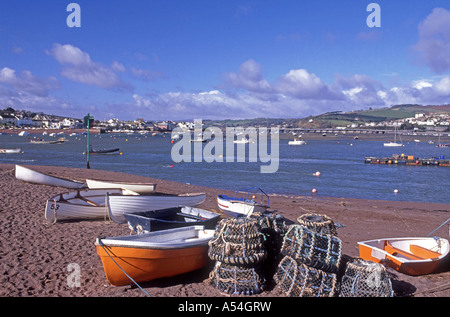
(190, 147)
(74, 278)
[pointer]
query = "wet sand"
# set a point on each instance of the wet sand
(36, 256)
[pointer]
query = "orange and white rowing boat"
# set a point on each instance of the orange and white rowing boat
(412, 256)
(148, 256)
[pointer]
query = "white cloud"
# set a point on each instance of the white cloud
(434, 40)
(79, 67)
(26, 82)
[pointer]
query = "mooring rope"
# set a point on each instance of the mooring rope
(103, 246)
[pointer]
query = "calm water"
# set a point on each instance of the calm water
(341, 164)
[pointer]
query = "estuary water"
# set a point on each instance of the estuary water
(343, 172)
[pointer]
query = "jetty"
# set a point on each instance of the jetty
(409, 160)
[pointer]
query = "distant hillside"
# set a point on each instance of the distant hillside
(335, 119)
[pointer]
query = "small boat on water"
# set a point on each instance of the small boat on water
(395, 143)
(241, 141)
(102, 151)
(412, 256)
(149, 256)
(140, 188)
(31, 176)
(118, 205)
(81, 204)
(297, 141)
(42, 141)
(10, 151)
(243, 206)
(155, 220)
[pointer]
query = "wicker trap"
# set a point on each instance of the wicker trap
(321, 251)
(318, 223)
(365, 279)
(237, 280)
(298, 280)
(237, 241)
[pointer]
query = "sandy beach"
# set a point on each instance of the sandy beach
(35, 255)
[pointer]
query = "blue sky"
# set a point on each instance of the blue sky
(216, 59)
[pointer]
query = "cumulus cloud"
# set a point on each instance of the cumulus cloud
(301, 84)
(79, 67)
(26, 82)
(434, 40)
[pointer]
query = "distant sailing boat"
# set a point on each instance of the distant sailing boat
(395, 144)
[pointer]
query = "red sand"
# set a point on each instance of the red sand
(35, 255)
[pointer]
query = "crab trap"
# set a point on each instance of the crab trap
(299, 280)
(321, 251)
(365, 279)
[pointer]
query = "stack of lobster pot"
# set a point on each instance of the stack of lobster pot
(239, 249)
(311, 259)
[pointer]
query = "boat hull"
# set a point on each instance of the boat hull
(82, 204)
(235, 207)
(10, 151)
(140, 188)
(118, 205)
(31, 176)
(156, 259)
(412, 256)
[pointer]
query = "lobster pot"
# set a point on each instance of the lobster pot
(299, 280)
(318, 223)
(365, 279)
(321, 251)
(273, 228)
(237, 241)
(237, 280)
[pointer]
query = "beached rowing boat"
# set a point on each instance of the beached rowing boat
(118, 205)
(412, 256)
(145, 257)
(81, 204)
(10, 151)
(148, 221)
(243, 206)
(32, 176)
(140, 188)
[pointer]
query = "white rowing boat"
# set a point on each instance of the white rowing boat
(81, 204)
(243, 206)
(118, 205)
(140, 188)
(31, 176)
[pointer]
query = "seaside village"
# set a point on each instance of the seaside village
(11, 119)
(248, 246)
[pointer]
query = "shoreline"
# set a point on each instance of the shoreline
(35, 254)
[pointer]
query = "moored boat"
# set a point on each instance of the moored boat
(154, 220)
(81, 204)
(297, 142)
(243, 206)
(118, 205)
(10, 151)
(149, 256)
(412, 256)
(32, 176)
(140, 188)
(102, 151)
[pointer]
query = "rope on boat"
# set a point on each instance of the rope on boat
(103, 246)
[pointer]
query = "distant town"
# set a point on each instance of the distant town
(402, 117)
